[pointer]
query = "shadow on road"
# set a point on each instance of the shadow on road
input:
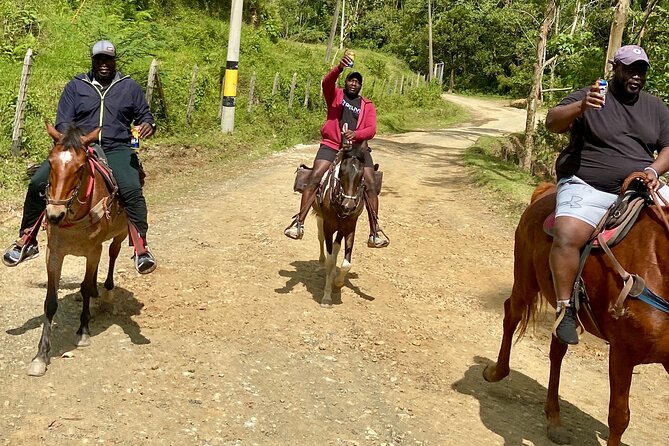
(312, 276)
(513, 409)
(66, 321)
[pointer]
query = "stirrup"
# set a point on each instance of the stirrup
(377, 241)
(295, 230)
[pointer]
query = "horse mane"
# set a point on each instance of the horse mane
(71, 139)
(356, 151)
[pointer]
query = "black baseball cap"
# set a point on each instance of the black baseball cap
(354, 75)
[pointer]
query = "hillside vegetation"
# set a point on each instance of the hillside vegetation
(60, 33)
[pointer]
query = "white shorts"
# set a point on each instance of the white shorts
(576, 198)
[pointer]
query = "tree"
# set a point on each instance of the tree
(534, 97)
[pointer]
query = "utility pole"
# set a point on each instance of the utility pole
(341, 31)
(429, 33)
(231, 68)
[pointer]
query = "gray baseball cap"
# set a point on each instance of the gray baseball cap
(629, 54)
(103, 47)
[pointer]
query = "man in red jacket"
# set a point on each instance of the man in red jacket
(353, 117)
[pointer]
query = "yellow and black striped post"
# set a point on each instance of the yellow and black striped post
(232, 68)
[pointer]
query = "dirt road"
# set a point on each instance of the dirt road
(225, 344)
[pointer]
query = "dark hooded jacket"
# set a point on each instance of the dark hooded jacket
(114, 108)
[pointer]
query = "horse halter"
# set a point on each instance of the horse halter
(337, 195)
(69, 201)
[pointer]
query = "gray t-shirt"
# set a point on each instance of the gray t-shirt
(608, 144)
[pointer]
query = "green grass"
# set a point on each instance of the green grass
(510, 186)
(179, 41)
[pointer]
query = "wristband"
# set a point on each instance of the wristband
(653, 170)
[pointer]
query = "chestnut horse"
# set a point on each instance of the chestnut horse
(341, 203)
(81, 214)
(640, 336)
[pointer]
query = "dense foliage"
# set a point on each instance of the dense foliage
(180, 35)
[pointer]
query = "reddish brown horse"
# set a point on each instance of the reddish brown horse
(81, 214)
(641, 336)
(337, 212)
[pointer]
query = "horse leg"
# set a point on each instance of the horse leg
(39, 363)
(321, 240)
(620, 380)
(666, 366)
(556, 432)
(330, 270)
(346, 262)
(106, 303)
(89, 287)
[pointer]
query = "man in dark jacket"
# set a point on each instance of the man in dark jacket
(108, 99)
(353, 117)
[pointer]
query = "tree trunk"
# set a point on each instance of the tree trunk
(535, 91)
(451, 81)
(333, 30)
(616, 34)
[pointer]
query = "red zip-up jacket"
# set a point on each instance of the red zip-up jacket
(331, 133)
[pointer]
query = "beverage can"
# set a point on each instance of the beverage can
(134, 141)
(603, 87)
(351, 55)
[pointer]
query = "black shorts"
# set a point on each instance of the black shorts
(328, 154)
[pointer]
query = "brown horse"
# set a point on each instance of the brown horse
(81, 214)
(640, 336)
(341, 203)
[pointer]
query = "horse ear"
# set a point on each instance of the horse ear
(53, 133)
(86, 140)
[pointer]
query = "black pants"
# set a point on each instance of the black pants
(125, 165)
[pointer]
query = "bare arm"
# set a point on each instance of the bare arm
(561, 117)
(659, 167)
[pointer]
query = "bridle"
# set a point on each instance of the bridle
(337, 195)
(69, 201)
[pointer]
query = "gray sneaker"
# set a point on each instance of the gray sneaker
(377, 240)
(16, 254)
(295, 230)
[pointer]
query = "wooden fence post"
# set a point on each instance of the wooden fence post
(191, 96)
(291, 96)
(395, 90)
(402, 85)
(21, 103)
(306, 93)
(276, 84)
(252, 87)
(151, 81)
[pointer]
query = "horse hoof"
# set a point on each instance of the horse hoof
(489, 374)
(558, 434)
(83, 341)
(326, 304)
(37, 368)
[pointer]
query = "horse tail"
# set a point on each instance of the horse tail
(529, 317)
(541, 190)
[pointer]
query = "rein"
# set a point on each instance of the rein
(634, 285)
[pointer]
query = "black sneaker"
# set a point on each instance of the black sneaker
(565, 329)
(145, 263)
(16, 254)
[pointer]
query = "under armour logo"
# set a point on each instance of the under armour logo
(572, 203)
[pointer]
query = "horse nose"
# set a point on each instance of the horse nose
(349, 205)
(55, 214)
